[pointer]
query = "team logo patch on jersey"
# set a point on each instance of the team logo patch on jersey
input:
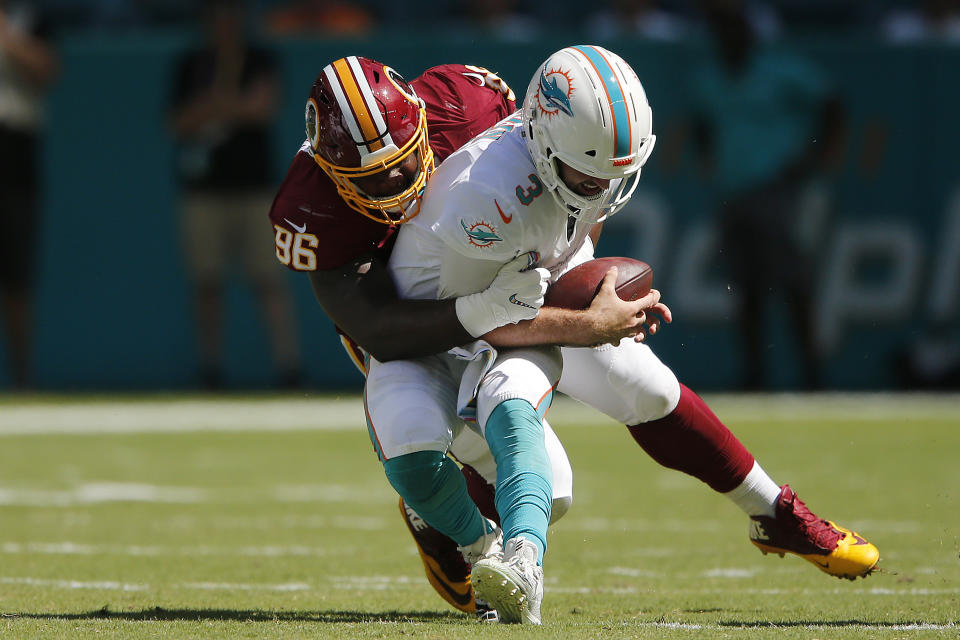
(553, 94)
(481, 234)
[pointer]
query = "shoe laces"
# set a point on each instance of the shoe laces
(522, 557)
(817, 530)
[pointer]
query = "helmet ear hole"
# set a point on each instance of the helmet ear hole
(401, 84)
(311, 118)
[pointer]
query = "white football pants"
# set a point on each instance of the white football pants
(411, 406)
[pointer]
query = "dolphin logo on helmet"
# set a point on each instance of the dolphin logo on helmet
(552, 95)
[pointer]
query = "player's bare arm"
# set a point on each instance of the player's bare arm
(361, 299)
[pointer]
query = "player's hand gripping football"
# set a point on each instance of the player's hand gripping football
(613, 319)
(515, 294)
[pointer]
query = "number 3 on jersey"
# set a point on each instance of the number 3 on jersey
(526, 196)
(296, 250)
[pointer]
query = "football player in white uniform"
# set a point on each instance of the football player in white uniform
(540, 181)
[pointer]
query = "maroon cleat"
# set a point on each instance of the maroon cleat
(797, 530)
(445, 567)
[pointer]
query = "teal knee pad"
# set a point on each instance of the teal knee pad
(431, 484)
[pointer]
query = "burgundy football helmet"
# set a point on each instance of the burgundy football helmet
(363, 118)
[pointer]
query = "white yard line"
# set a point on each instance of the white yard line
(381, 582)
(344, 413)
(82, 549)
(101, 492)
(105, 585)
(235, 586)
(730, 572)
(105, 492)
(177, 416)
(109, 585)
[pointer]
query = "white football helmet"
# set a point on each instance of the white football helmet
(586, 107)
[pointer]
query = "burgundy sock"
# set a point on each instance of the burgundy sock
(482, 493)
(693, 440)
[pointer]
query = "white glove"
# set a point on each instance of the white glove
(515, 294)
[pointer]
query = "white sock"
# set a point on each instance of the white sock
(757, 494)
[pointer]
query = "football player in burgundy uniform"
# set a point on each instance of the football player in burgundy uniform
(335, 217)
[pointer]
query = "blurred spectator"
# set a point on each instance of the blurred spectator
(334, 17)
(224, 101)
(822, 16)
(767, 125)
(119, 14)
(643, 18)
(762, 18)
(28, 64)
(931, 20)
(499, 19)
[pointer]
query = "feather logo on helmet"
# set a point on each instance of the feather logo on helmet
(553, 94)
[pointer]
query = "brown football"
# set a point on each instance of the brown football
(576, 288)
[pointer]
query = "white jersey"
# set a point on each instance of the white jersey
(483, 207)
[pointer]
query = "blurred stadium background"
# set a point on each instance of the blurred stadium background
(882, 223)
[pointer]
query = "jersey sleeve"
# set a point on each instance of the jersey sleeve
(313, 228)
(462, 101)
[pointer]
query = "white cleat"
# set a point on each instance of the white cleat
(489, 545)
(513, 586)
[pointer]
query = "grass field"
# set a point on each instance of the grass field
(192, 517)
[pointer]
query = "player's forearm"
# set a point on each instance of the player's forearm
(410, 329)
(360, 298)
(551, 326)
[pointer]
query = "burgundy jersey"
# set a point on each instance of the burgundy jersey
(315, 229)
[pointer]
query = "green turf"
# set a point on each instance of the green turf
(295, 534)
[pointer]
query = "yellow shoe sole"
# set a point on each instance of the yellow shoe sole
(853, 558)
